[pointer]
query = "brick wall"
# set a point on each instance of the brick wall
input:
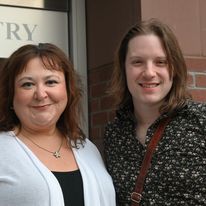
(197, 78)
(100, 109)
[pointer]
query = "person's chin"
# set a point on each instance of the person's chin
(152, 101)
(43, 121)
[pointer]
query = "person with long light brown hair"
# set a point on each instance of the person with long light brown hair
(155, 148)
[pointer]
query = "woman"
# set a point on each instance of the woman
(45, 157)
(149, 85)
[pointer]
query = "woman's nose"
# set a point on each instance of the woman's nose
(40, 93)
(149, 70)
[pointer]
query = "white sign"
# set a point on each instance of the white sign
(20, 26)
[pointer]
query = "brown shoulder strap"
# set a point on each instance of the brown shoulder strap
(136, 196)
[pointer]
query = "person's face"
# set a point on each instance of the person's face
(147, 74)
(40, 96)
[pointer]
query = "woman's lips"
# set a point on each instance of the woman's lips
(40, 106)
(149, 85)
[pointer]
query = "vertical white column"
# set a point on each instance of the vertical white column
(78, 50)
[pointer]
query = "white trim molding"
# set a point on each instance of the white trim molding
(78, 50)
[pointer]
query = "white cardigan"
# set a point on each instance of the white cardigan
(25, 181)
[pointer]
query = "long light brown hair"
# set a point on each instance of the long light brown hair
(176, 63)
(53, 58)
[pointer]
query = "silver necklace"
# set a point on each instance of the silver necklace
(55, 153)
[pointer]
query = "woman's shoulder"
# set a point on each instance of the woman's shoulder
(196, 108)
(85, 144)
(194, 113)
(88, 150)
(124, 117)
(6, 136)
(90, 146)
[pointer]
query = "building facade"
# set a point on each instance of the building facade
(94, 29)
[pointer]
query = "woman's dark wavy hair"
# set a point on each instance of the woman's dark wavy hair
(53, 58)
(178, 94)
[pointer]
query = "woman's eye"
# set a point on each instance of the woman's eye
(51, 82)
(161, 62)
(137, 62)
(27, 85)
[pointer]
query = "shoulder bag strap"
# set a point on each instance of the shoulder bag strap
(136, 196)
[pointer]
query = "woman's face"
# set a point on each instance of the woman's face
(147, 73)
(40, 96)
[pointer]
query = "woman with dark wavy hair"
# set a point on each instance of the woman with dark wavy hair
(149, 86)
(45, 159)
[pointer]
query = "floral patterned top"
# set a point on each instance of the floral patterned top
(177, 175)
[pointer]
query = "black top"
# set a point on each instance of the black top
(177, 175)
(72, 187)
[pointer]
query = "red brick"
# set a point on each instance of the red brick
(99, 119)
(198, 95)
(200, 80)
(98, 90)
(196, 64)
(112, 114)
(94, 105)
(106, 102)
(190, 80)
(100, 75)
(95, 133)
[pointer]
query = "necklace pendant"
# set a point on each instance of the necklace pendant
(57, 154)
